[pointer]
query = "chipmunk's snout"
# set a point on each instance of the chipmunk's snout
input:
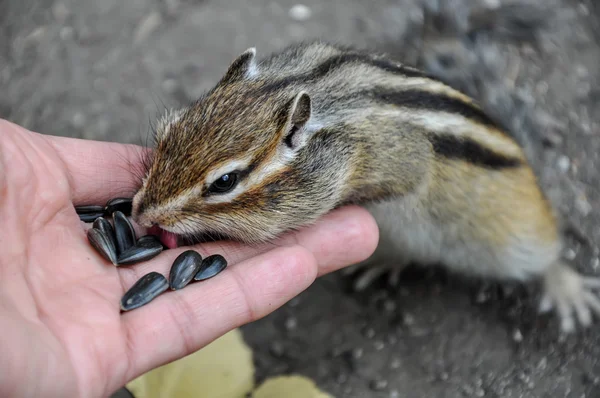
(139, 214)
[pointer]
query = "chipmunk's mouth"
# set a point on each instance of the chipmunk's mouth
(167, 238)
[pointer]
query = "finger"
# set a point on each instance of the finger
(98, 170)
(342, 237)
(178, 323)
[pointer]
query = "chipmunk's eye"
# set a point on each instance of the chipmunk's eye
(225, 183)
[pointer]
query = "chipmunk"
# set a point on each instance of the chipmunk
(279, 142)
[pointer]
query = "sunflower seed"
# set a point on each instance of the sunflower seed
(136, 254)
(124, 232)
(104, 225)
(91, 217)
(148, 240)
(184, 268)
(89, 209)
(210, 267)
(103, 244)
(119, 204)
(89, 213)
(146, 289)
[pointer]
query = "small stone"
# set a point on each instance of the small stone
(581, 72)
(523, 377)
(395, 363)
(570, 254)
(276, 349)
(66, 33)
(563, 163)
(590, 378)
(392, 339)
(170, 86)
(517, 336)
(408, 319)
(78, 120)
(357, 353)
(379, 345)
(389, 306)
(394, 394)
(146, 27)
(482, 297)
(369, 333)
(479, 392)
(378, 384)
(293, 303)
(60, 12)
(542, 364)
(582, 205)
(444, 376)
(300, 12)
(291, 323)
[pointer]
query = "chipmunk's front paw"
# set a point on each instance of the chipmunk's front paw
(572, 296)
(367, 272)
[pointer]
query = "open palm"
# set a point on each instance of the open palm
(62, 332)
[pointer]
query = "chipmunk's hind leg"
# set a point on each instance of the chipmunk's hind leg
(571, 295)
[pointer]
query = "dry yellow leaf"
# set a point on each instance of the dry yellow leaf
(289, 387)
(222, 369)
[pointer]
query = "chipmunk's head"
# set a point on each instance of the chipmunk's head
(234, 163)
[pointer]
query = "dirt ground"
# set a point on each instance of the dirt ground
(104, 69)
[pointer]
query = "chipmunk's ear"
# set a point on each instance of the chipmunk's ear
(298, 114)
(243, 66)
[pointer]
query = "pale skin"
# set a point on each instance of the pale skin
(62, 332)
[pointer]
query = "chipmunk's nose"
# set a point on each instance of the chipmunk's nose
(138, 215)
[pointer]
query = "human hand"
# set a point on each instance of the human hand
(62, 331)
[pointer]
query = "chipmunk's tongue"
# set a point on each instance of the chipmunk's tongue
(168, 239)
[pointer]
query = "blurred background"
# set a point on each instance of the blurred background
(104, 70)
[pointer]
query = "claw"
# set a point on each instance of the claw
(394, 278)
(368, 277)
(546, 304)
(567, 324)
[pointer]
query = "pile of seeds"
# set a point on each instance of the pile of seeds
(117, 243)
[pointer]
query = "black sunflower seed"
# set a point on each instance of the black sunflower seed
(210, 267)
(90, 217)
(184, 268)
(89, 213)
(104, 225)
(119, 204)
(124, 232)
(136, 254)
(89, 209)
(146, 289)
(148, 240)
(103, 244)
